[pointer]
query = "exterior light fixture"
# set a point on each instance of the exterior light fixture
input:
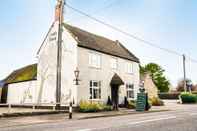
(76, 72)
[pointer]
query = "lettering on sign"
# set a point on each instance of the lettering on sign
(53, 37)
(141, 102)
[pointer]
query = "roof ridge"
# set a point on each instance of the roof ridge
(89, 32)
(14, 74)
(96, 42)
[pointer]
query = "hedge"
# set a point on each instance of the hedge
(172, 95)
(187, 97)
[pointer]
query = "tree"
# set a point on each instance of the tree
(157, 74)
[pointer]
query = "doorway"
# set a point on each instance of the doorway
(116, 82)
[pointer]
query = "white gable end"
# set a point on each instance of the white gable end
(47, 62)
(47, 67)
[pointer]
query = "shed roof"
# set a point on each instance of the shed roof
(26, 73)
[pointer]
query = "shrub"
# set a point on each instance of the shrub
(155, 101)
(131, 104)
(85, 106)
(187, 97)
(107, 108)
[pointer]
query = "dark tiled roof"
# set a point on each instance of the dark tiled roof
(26, 73)
(99, 43)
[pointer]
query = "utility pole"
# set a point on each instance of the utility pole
(60, 11)
(184, 73)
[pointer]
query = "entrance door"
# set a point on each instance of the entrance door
(114, 96)
(115, 83)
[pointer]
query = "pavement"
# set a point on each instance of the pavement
(18, 110)
(180, 117)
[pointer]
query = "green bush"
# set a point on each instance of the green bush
(155, 101)
(107, 108)
(131, 104)
(187, 97)
(85, 106)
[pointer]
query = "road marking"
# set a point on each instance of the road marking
(162, 117)
(193, 114)
(151, 120)
(85, 130)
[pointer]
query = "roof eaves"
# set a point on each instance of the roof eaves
(134, 60)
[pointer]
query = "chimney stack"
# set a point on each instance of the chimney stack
(58, 10)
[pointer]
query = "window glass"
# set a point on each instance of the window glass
(130, 90)
(94, 60)
(114, 63)
(95, 90)
(129, 67)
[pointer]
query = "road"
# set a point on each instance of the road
(182, 118)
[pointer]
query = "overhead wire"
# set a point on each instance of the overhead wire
(130, 35)
(98, 10)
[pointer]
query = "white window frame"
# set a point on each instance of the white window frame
(114, 63)
(130, 89)
(129, 67)
(92, 88)
(94, 60)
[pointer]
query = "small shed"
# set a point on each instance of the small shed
(16, 84)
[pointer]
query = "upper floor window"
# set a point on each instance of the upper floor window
(130, 90)
(95, 60)
(114, 63)
(95, 90)
(129, 67)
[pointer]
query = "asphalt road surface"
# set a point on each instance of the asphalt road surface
(181, 119)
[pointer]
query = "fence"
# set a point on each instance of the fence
(28, 107)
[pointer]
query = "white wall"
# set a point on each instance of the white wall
(69, 65)
(47, 68)
(47, 63)
(72, 57)
(104, 74)
(23, 92)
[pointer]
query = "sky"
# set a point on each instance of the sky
(169, 24)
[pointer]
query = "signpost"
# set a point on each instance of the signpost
(141, 102)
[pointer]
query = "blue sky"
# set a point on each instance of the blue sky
(168, 23)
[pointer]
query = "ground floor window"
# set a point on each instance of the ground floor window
(95, 89)
(130, 90)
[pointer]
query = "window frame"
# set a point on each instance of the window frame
(92, 88)
(94, 60)
(128, 89)
(129, 67)
(112, 64)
